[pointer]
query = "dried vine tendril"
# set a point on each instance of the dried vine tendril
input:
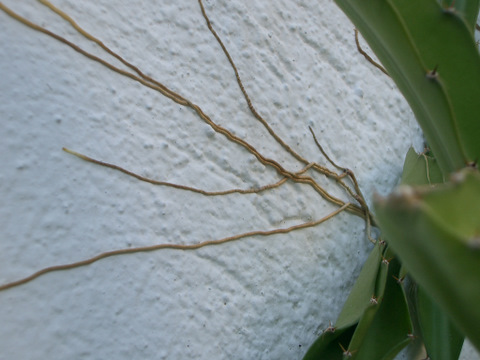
(357, 206)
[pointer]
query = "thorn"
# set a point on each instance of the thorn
(399, 281)
(433, 74)
(386, 261)
(473, 164)
(330, 328)
(474, 243)
(426, 150)
(347, 352)
(451, 8)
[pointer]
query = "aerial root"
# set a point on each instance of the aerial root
(168, 246)
(321, 169)
(369, 59)
(244, 92)
(155, 85)
(295, 176)
(183, 187)
(357, 195)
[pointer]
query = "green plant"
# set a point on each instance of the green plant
(345, 179)
(446, 108)
(302, 180)
(431, 224)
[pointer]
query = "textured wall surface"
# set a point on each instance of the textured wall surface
(257, 298)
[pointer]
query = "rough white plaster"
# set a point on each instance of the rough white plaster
(258, 298)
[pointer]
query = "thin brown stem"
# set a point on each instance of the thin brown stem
(369, 59)
(357, 195)
(185, 102)
(244, 92)
(139, 76)
(183, 187)
(167, 246)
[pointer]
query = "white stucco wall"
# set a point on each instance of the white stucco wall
(258, 298)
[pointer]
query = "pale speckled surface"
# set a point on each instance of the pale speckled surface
(259, 298)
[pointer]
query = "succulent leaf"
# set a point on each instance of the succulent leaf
(435, 232)
(359, 299)
(421, 169)
(420, 44)
(468, 9)
(441, 337)
(389, 331)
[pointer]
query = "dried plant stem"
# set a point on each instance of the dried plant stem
(369, 219)
(155, 85)
(323, 170)
(369, 59)
(244, 92)
(183, 187)
(295, 176)
(168, 246)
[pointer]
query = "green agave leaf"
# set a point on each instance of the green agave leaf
(389, 330)
(436, 234)
(359, 299)
(442, 38)
(468, 9)
(420, 169)
(382, 313)
(327, 345)
(441, 337)
(376, 308)
(375, 300)
(431, 55)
